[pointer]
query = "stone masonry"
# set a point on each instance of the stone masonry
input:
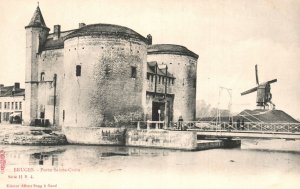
(97, 75)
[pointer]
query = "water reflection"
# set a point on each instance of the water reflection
(62, 155)
(105, 158)
(43, 158)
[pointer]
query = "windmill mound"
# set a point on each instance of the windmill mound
(270, 116)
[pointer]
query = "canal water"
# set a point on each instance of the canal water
(257, 164)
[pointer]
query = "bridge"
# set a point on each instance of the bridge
(213, 129)
(256, 130)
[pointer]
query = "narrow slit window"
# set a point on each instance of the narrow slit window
(78, 70)
(133, 72)
(42, 76)
(107, 70)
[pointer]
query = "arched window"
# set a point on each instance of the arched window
(42, 76)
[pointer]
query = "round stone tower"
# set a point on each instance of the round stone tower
(104, 69)
(182, 63)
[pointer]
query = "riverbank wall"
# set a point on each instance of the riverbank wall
(23, 135)
(159, 138)
(95, 135)
(151, 138)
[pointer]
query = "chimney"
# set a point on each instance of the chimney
(1, 85)
(149, 38)
(56, 32)
(17, 86)
(81, 25)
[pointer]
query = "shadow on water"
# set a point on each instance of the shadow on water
(60, 155)
(273, 151)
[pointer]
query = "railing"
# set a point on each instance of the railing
(151, 125)
(162, 125)
(236, 126)
(222, 126)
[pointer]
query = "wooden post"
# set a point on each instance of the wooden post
(54, 97)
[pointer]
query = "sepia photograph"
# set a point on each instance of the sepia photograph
(98, 94)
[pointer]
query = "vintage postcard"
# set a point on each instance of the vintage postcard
(99, 94)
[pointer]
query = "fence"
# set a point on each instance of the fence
(247, 126)
(222, 126)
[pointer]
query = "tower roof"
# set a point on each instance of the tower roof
(37, 19)
(106, 29)
(171, 49)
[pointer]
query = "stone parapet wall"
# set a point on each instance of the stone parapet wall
(185, 140)
(95, 135)
(20, 135)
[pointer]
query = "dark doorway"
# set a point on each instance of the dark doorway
(155, 107)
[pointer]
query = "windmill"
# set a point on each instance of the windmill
(264, 95)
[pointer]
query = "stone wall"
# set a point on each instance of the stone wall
(20, 135)
(95, 135)
(50, 63)
(185, 140)
(105, 93)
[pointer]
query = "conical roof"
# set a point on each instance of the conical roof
(37, 19)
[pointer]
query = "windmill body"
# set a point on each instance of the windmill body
(264, 96)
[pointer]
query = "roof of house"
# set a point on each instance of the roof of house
(171, 49)
(160, 71)
(57, 43)
(10, 91)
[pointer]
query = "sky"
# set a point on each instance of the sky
(230, 37)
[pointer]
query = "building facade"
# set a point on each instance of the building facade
(104, 74)
(11, 104)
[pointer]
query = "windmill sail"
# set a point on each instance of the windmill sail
(272, 81)
(249, 91)
(256, 75)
